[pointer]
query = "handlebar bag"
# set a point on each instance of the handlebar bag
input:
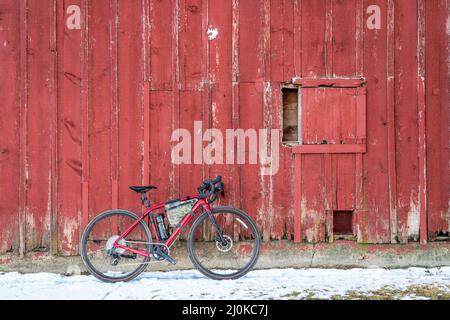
(177, 209)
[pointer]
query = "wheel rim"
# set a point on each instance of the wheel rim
(220, 260)
(119, 263)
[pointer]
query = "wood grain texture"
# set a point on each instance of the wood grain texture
(88, 112)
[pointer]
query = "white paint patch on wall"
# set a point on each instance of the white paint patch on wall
(413, 219)
(212, 33)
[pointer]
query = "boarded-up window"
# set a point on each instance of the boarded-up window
(290, 115)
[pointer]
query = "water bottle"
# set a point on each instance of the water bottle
(161, 227)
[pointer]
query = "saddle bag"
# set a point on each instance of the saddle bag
(177, 209)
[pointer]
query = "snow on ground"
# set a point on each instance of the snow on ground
(412, 283)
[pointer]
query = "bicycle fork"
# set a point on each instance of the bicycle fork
(219, 236)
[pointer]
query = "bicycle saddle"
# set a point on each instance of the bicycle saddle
(142, 189)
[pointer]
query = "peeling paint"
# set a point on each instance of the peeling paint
(212, 33)
(413, 219)
(311, 218)
(70, 233)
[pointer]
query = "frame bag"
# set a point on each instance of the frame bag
(177, 209)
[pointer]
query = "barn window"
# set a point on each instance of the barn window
(291, 121)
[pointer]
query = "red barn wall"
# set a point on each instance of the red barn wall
(87, 112)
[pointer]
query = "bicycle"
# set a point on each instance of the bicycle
(117, 239)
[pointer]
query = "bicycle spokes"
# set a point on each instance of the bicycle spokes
(225, 244)
(106, 258)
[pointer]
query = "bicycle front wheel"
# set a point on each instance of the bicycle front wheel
(221, 260)
(109, 263)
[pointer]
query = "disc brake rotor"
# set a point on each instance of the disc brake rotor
(227, 247)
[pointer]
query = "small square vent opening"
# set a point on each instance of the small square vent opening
(343, 225)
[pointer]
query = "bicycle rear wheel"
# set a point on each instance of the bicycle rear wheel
(218, 260)
(113, 264)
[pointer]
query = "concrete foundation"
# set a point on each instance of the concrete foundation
(275, 254)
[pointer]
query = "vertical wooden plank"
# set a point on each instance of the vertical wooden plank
(162, 108)
(345, 182)
(175, 183)
(359, 192)
(297, 38)
(147, 130)
(359, 29)
(40, 128)
(190, 84)
(251, 119)
(54, 138)
(329, 38)
(421, 115)
(422, 162)
(114, 108)
(298, 198)
(161, 62)
(190, 44)
(100, 109)
(282, 39)
(390, 117)
(114, 112)
(265, 151)
(234, 187)
(361, 137)
(70, 62)
(146, 38)
(373, 219)
(276, 41)
(206, 88)
(85, 118)
(161, 172)
(9, 126)
(253, 37)
(130, 100)
(405, 69)
(313, 43)
(344, 49)
(330, 174)
(288, 40)
(265, 136)
(437, 80)
(266, 31)
(251, 41)
(361, 115)
(23, 113)
(312, 198)
(191, 174)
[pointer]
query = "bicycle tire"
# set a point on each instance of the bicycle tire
(191, 244)
(84, 238)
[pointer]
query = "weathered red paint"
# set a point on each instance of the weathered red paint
(86, 113)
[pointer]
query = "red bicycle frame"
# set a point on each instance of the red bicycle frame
(201, 202)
